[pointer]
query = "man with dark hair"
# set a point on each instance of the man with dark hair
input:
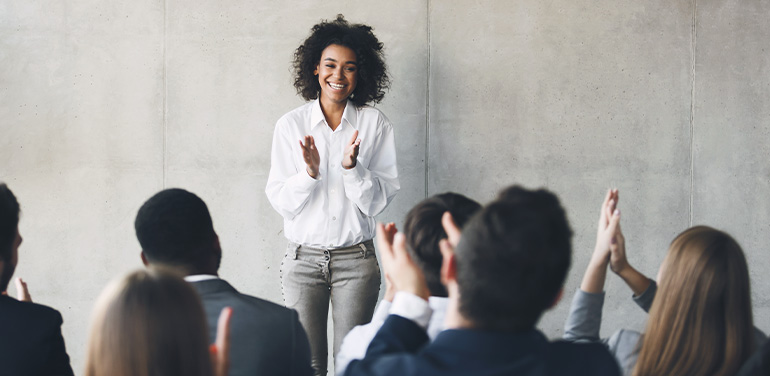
(30, 334)
(505, 271)
(423, 231)
(175, 230)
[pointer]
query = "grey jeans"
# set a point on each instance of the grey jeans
(311, 277)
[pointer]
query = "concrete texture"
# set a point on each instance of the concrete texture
(104, 104)
(731, 133)
(576, 97)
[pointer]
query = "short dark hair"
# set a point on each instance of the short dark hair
(373, 77)
(512, 260)
(174, 228)
(9, 221)
(423, 231)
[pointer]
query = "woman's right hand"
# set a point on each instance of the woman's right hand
(618, 260)
(310, 155)
(609, 221)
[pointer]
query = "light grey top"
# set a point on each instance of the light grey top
(585, 320)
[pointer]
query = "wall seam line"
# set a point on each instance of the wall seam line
(427, 101)
(693, 44)
(165, 92)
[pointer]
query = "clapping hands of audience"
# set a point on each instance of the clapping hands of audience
(22, 293)
(400, 270)
(220, 350)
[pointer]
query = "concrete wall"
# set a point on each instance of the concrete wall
(104, 104)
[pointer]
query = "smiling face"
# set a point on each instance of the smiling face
(337, 74)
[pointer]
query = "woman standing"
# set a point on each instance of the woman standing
(333, 168)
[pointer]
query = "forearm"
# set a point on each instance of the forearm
(594, 277)
(370, 191)
(289, 195)
(637, 281)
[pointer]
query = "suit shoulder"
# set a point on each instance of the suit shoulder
(586, 356)
(30, 312)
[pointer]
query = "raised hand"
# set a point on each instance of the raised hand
(350, 156)
(609, 220)
(310, 155)
(22, 293)
(399, 267)
(390, 291)
(220, 350)
(618, 260)
(451, 228)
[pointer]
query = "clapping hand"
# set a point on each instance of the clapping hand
(350, 156)
(310, 155)
(400, 270)
(220, 350)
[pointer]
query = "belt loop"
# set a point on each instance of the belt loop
(294, 251)
(363, 249)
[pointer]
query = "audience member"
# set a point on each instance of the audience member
(508, 268)
(151, 323)
(31, 342)
(701, 321)
(423, 231)
(175, 230)
(759, 363)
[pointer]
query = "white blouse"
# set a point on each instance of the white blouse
(337, 209)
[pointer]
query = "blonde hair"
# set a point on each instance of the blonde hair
(700, 322)
(148, 323)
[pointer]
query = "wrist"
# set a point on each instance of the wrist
(348, 167)
(313, 173)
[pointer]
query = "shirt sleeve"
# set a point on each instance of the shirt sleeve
(644, 301)
(288, 189)
(585, 317)
(372, 188)
(392, 351)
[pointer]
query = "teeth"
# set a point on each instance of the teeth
(336, 86)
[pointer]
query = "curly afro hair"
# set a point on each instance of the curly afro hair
(373, 77)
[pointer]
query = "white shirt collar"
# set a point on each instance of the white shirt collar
(199, 277)
(350, 115)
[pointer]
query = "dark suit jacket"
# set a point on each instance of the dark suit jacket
(30, 340)
(265, 338)
(759, 363)
(397, 349)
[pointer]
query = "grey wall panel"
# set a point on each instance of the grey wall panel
(576, 97)
(81, 94)
(732, 133)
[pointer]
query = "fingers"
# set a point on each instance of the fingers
(22, 292)
(222, 356)
(446, 248)
(390, 231)
(614, 223)
(385, 246)
(450, 227)
(603, 211)
(353, 139)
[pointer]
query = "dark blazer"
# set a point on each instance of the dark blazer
(265, 338)
(759, 363)
(397, 349)
(30, 340)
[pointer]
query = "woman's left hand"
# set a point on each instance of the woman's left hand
(350, 156)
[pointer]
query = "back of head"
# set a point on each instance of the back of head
(423, 231)
(174, 228)
(148, 323)
(512, 260)
(700, 321)
(9, 223)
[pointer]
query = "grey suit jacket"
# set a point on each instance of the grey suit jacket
(585, 320)
(265, 338)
